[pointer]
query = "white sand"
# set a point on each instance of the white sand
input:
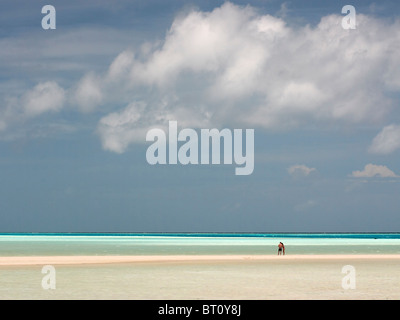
(77, 260)
(201, 277)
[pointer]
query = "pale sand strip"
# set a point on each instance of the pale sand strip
(77, 260)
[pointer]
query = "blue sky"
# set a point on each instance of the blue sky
(76, 103)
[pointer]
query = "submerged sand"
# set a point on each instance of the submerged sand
(207, 277)
(77, 260)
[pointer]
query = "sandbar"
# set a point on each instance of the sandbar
(79, 260)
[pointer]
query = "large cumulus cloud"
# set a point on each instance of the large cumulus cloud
(235, 67)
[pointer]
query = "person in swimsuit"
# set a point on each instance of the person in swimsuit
(281, 248)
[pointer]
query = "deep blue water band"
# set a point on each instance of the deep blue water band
(236, 235)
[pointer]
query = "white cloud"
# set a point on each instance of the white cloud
(121, 65)
(372, 170)
(300, 170)
(387, 141)
(44, 97)
(88, 94)
(235, 66)
(17, 110)
(117, 130)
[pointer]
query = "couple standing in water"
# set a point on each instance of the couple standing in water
(281, 248)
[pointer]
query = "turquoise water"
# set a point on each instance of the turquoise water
(25, 244)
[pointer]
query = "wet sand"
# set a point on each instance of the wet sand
(77, 260)
(259, 277)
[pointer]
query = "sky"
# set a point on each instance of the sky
(77, 102)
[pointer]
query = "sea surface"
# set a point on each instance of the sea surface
(31, 244)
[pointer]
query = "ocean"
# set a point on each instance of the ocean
(28, 244)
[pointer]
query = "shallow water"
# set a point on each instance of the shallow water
(115, 244)
(223, 280)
